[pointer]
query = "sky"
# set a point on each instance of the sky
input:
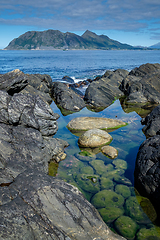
(135, 22)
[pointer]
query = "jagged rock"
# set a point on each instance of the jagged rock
(13, 81)
(38, 206)
(94, 138)
(26, 124)
(87, 123)
(147, 168)
(152, 122)
(102, 92)
(66, 98)
(142, 84)
(68, 79)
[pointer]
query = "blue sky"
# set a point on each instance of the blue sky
(135, 22)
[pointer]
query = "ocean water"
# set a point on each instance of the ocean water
(137, 214)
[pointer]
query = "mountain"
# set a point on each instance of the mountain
(54, 39)
(156, 46)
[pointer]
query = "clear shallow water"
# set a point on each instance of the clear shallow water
(87, 176)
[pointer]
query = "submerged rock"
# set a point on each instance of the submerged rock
(107, 198)
(110, 214)
(87, 123)
(94, 138)
(126, 227)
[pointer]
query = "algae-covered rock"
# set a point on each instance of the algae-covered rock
(126, 227)
(109, 151)
(94, 138)
(98, 166)
(135, 211)
(119, 163)
(148, 234)
(52, 168)
(85, 157)
(87, 170)
(123, 190)
(88, 183)
(106, 183)
(122, 180)
(112, 174)
(110, 214)
(147, 207)
(107, 198)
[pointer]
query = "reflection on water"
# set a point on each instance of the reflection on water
(109, 184)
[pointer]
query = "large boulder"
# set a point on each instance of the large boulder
(147, 168)
(37, 206)
(142, 84)
(66, 98)
(27, 125)
(87, 123)
(152, 123)
(102, 92)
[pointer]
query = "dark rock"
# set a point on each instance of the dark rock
(26, 124)
(147, 169)
(37, 206)
(66, 98)
(152, 122)
(145, 69)
(142, 84)
(13, 82)
(102, 92)
(31, 90)
(68, 79)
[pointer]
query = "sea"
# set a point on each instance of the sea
(84, 168)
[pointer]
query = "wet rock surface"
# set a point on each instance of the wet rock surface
(87, 123)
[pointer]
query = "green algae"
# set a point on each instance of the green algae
(148, 234)
(126, 227)
(123, 190)
(110, 214)
(52, 168)
(87, 184)
(107, 198)
(106, 183)
(119, 163)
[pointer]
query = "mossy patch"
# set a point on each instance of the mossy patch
(126, 227)
(123, 190)
(107, 198)
(110, 214)
(52, 168)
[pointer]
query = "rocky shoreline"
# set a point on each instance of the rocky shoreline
(34, 205)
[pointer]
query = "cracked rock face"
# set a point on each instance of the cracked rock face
(37, 206)
(27, 125)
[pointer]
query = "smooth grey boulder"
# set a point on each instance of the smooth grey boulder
(66, 98)
(102, 92)
(37, 206)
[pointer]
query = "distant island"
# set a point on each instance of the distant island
(56, 40)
